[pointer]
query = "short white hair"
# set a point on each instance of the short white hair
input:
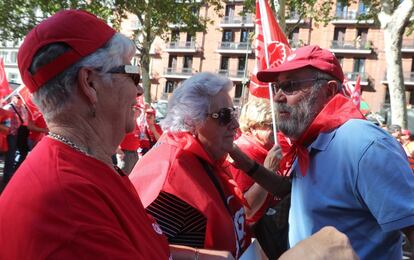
(190, 102)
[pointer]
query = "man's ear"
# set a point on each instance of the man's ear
(86, 84)
(332, 89)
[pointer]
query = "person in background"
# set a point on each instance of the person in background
(396, 132)
(150, 131)
(255, 141)
(38, 130)
(16, 152)
(346, 172)
(127, 154)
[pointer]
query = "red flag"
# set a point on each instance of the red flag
(272, 47)
(356, 94)
(353, 92)
(5, 89)
(27, 99)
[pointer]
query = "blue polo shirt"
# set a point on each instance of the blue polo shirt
(360, 182)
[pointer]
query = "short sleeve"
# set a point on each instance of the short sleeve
(385, 184)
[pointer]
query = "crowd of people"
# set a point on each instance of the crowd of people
(190, 190)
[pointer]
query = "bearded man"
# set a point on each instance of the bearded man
(346, 172)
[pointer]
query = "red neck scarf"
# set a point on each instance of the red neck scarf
(336, 112)
(189, 143)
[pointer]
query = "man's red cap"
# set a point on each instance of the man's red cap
(82, 31)
(311, 55)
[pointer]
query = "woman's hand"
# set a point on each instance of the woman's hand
(273, 158)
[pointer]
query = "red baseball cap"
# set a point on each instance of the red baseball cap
(311, 55)
(81, 30)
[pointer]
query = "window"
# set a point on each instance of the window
(339, 34)
(359, 65)
(188, 62)
(13, 57)
(175, 35)
(12, 77)
(244, 35)
(169, 86)
(172, 62)
(341, 9)
(229, 10)
(228, 36)
(362, 8)
(224, 64)
(242, 64)
(190, 37)
(238, 90)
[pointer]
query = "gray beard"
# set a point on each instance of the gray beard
(301, 116)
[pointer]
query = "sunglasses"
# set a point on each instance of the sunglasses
(291, 87)
(129, 70)
(224, 116)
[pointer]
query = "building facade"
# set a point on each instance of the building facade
(227, 48)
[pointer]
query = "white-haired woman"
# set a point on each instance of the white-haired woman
(184, 181)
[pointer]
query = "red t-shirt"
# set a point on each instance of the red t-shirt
(62, 204)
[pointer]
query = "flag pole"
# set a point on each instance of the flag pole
(263, 16)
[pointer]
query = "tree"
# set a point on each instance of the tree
(393, 17)
(18, 17)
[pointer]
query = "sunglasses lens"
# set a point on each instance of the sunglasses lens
(225, 115)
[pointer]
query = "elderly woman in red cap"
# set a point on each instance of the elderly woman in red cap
(67, 200)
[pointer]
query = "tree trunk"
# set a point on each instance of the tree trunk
(396, 88)
(145, 58)
(393, 21)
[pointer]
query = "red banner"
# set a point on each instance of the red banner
(27, 99)
(4, 84)
(272, 47)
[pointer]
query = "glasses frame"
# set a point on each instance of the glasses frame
(221, 117)
(129, 70)
(294, 84)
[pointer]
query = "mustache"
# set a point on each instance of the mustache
(283, 107)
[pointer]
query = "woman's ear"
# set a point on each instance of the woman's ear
(86, 84)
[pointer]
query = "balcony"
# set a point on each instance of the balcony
(351, 17)
(294, 18)
(183, 73)
(236, 75)
(234, 47)
(408, 79)
(182, 47)
(352, 77)
(351, 47)
(407, 46)
(237, 21)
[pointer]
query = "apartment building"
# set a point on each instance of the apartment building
(226, 48)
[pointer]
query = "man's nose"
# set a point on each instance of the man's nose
(279, 97)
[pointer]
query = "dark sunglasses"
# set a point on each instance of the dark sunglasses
(129, 70)
(224, 116)
(290, 87)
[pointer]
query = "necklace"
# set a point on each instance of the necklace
(72, 145)
(69, 143)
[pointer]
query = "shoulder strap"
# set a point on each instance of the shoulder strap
(215, 182)
(15, 110)
(213, 178)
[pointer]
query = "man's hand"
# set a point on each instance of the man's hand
(273, 158)
(327, 243)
